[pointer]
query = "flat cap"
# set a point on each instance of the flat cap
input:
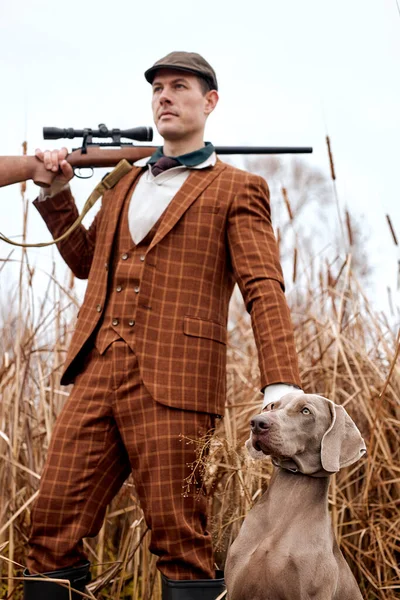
(185, 61)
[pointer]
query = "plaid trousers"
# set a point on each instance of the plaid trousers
(110, 426)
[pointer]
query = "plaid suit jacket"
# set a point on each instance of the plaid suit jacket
(216, 231)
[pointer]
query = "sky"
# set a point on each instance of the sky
(290, 72)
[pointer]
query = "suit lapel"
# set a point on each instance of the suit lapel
(116, 203)
(195, 184)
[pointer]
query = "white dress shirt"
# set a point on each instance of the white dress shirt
(152, 195)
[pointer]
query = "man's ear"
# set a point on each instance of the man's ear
(211, 101)
(342, 444)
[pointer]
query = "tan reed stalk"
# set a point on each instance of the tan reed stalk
(335, 193)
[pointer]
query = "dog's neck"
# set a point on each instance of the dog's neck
(302, 496)
(297, 464)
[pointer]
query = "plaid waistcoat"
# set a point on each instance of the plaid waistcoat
(119, 313)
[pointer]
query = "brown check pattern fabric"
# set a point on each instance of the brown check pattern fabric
(109, 426)
(216, 231)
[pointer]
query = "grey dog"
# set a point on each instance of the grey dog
(286, 549)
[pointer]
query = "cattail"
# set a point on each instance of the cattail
(349, 228)
(392, 230)
(330, 278)
(321, 280)
(287, 203)
(333, 175)
(294, 265)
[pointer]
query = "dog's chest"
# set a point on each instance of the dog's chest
(280, 558)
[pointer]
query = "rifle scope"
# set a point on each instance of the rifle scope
(141, 134)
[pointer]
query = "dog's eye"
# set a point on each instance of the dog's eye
(271, 406)
(306, 411)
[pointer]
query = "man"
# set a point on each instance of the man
(148, 356)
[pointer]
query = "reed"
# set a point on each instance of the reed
(347, 352)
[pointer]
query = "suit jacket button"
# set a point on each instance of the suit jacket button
(142, 257)
(137, 289)
(98, 308)
(131, 323)
(124, 256)
(119, 288)
(115, 322)
(106, 266)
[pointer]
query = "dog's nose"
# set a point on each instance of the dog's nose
(259, 424)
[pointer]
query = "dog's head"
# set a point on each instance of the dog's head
(306, 433)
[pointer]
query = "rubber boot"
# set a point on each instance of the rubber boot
(193, 589)
(45, 589)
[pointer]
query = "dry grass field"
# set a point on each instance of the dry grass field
(347, 352)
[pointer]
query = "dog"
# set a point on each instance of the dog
(286, 548)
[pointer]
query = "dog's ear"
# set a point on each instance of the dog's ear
(342, 444)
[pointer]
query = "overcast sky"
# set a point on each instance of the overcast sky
(289, 72)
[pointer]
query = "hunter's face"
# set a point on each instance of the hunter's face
(180, 108)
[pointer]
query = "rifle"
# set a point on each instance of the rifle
(15, 169)
(121, 155)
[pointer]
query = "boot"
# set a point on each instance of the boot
(193, 589)
(78, 576)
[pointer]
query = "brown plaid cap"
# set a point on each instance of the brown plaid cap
(185, 61)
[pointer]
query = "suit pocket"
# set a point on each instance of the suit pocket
(204, 328)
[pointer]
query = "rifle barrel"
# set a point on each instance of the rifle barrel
(263, 149)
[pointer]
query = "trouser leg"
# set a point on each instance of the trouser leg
(108, 417)
(86, 465)
(158, 440)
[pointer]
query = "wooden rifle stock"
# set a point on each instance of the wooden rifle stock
(15, 169)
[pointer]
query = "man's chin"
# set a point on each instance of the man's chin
(169, 132)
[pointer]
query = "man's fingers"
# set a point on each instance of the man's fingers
(39, 154)
(52, 158)
(66, 169)
(54, 161)
(47, 160)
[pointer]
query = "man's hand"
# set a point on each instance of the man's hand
(54, 160)
(276, 391)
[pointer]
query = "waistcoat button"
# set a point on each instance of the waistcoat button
(98, 308)
(131, 323)
(137, 289)
(142, 257)
(124, 256)
(119, 288)
(115, 322)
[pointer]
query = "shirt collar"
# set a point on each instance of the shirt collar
(198, 159)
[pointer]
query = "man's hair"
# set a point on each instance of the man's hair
(204, 85)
